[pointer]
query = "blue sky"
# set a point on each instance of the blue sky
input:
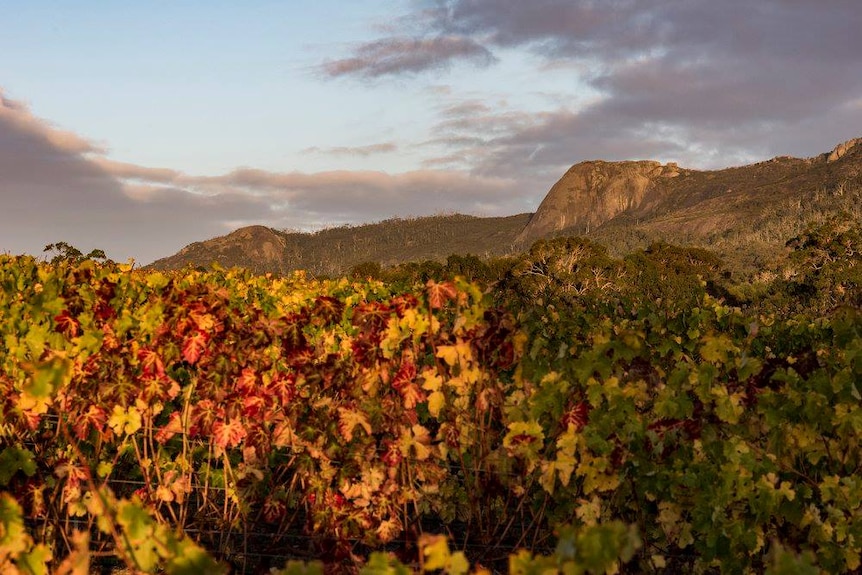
(139, 127)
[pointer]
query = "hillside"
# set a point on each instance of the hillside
(744, 213)
(335, 250)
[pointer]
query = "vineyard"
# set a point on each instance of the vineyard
(567, 419)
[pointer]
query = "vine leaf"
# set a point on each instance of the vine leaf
(440, 293)
(124, 421)
(228, 434)
(194, 346)
(348, 419)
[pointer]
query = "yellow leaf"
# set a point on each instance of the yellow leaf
(460, 353)
(589, 511)
(448, 353)
(565, 465)
(523, 432)
(548, 477)
(471, 375)
(125, 421)
(388, 530)
(458, 564)
(418, 440)
(435, 550)
(432, 380)
(436, 401)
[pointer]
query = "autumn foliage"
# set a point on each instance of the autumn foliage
(193, 420)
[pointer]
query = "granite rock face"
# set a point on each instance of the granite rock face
(841, 149)
(592, 193)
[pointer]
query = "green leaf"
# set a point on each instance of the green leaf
(35, 561)
(13, 460)
(601, 546)
(138, 528)
(715, 348)
(378, 564)
(190, 559)
(104, 469)
(13, 538)
(48, 377)
(784, 562)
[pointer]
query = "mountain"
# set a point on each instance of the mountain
(334, 251)
(745, 213)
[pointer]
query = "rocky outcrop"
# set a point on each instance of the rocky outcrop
(257, 247)
(592, 193)
(841, 149)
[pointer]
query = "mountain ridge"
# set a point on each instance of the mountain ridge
(624, 205)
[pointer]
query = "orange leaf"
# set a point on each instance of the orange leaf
(440, 293)
(228, 434)
(151, 363)
(194, 347)
(348, 419)
(412, 395)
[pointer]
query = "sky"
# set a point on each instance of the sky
(141, 127)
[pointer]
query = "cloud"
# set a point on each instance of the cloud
(18, 116)
(401, 54)
(129, 171)
(687, 64)
(361, 151)
(612, 30)
(56, 187)
(702, 82)
(312, 199)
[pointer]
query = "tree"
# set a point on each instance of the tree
(66, 252)
(825, 268)
(366, 270)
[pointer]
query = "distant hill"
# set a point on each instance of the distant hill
(744, 213)
(335, 250)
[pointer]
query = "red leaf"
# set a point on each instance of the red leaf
(405, 375)
(94, 417)
(578, 415)
(392, 454)
(194, 347)
(284, 387)
(151, 362)
(252, 406)
(67, 324)
(327, 309)
(371, 317)
(404, 302)
(204, 413)
(440, 293)
(104, 312)
(274, 510)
